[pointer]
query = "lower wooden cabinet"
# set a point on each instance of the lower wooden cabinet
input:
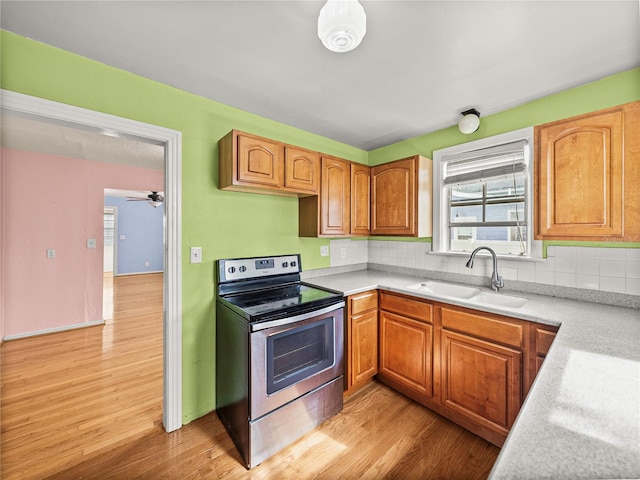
(362, 339)
(481, 369)
(406, 352)
(406, 345)
(541, 338)
(472, 367)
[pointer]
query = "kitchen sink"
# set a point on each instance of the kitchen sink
(499, 300)
(472, 294)
(447, 289)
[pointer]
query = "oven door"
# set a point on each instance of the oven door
(295, 356)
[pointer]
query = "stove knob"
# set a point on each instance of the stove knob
(231, 269)
(243, 268)
(293, 264)
(285, 264)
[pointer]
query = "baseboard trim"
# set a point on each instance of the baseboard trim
(47, 331)
(138, 273)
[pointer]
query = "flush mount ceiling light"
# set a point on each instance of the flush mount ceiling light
(469, 122)
(341, 25)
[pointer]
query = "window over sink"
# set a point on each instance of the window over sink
(485, 195)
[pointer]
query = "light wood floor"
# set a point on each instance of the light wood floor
(87, 404)
(73, 395)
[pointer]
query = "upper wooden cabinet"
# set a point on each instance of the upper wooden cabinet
(255, 164)
(301, 170)
(360, 199)
(586, 175)
(342, 208)
(335, 196)
(401, 202)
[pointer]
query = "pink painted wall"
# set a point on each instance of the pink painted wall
(53, 202)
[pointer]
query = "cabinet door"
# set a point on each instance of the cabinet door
(335, 192)
(542, 337)
(406, 352)
(393, 198)
(260, 162)
(364, 347)
(580, 176)
(301, 170)
(361, 344)
(481, 380)
(360, 199)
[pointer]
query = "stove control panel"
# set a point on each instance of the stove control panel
(248, 268)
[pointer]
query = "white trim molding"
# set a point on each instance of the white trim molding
(46, 331)
(440, 205)
(172, 141)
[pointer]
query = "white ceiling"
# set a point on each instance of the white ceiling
(39, 134)
(420, 64)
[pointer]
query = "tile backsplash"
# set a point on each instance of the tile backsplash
(614, 270)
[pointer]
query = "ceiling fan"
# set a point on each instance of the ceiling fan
(154, 199)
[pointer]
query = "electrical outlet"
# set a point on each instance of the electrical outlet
(324, 251)
(196, 254)
(51, 253)
(343, 252)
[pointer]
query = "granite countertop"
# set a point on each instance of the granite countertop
(581, 418)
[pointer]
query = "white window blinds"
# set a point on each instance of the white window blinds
(482, 164)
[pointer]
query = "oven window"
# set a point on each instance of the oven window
(299, 353)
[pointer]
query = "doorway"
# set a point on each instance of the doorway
(109, 260)
(110, 220)
(112, 126)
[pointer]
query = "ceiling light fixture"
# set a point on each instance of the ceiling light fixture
(341, 25)
(470, 121)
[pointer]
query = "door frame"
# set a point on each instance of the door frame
(107, 124)
(114, 251)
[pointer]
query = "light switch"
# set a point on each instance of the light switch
(91, 243)
(196, 254)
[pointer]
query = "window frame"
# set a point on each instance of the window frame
(441, 200)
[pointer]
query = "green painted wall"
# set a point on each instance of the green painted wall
(229, 224)
(608, 92)
(225, 224)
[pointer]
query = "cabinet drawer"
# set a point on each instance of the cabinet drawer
(362, 302)
(544, 337)
(498, 330)
(406, 306)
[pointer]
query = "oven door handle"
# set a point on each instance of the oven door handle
(298, 318)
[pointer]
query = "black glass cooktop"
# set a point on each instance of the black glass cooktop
(279, 301)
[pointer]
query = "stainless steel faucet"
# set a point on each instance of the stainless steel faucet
(496, 280)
